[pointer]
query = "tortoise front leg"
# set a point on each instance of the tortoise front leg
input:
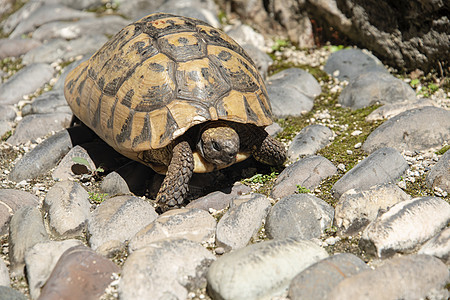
(270, 151)
(175, 184)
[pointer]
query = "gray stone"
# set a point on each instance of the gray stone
(26, 230)
(24, 82)
(164, 270)
(301, 216)
(68, 208)
(198, 12)
(59, 85)
(309, 140)
(42, 158)
(438, 246)
(117, 220)
(407, 277)
(405, 226)
(46, 14)
(219, 200)
(40, 261)
(244, 34)
(308, 172)
(80, 4)
(32, 127)
(417, 129)
(5, 127)
(49, 102)
(11, 201)
(61, 49)
(68, 168)
(261, 270)
(114, 185)
(273, 129)
(107, 25)
(318, 280)
(373, 88)
(382, 166)
(242, 221)
(357, 208)
(297, 79)
(439, 175)
(4, 274)
(14, 19)
(287, 101)
(192, 224)
(261, 59)
(16, 47)
(7, 113)
(347, 64)
(8, 293)
(80, 273)
(390, 110)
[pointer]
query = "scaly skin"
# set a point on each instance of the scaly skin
(271, 152)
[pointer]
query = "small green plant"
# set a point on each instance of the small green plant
(83, 162)
(443, 150)
(280, 44)
(335, 48)
(261, 178)
(97, 197)
(302, 190)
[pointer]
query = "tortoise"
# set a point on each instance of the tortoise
(178, 95)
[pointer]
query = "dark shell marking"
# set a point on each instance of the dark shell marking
(160, 76)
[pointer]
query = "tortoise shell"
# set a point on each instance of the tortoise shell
(160, 76)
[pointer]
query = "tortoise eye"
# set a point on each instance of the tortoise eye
(216, 146)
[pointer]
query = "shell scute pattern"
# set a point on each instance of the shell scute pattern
(160, 76)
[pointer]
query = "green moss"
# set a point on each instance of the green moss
(10, 66)
(443, 150)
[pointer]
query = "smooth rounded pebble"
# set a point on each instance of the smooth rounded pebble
(114, 185)
(10, 202)
(8, 293)
(24, 82)
(261, 270)
(416, 129)
(439, 175)
(375, 87)
(40, 261)
(164, 270)
(193, 224)
(16, 47)
(318, 280)
(407, 277)
(116, 220)
(299, 174)
(48, 103)
(80, 273)
(357, 208)
(7, 113)
(287, 101)
(71, 164)
(382, 166)
(309, 140)
(347, 64)
(405, 226)
(297, 79)
(301, 216)
(438, 246)
(42, 158)
(26, 230)
(68, 208)
(390, 110)
(242, 221)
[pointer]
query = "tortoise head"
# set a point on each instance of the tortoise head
(219, 145)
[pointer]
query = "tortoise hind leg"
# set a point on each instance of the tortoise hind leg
(175, 184)
(270, 151)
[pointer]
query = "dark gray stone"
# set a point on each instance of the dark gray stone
(357, 208)
(262, 270)
(42, 158)
(347, 64)
(8, 293)
(26, 229)
(68, 208)
(301, 216)
(382, 166)
(35, 126)
(11, 201)
(308, 172)
(417, 129)
(405, 226)
(407, 277)
(80, 273)
(242, 221)
(375, 87)
(47, 103)
(16, 47)
(24, 82)
(309, 140)
(117, 220)
(318, 280)
(164, 270)
(439, 175)
(288, 101)
(7, 113)
(114, 185)
(297, 79)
